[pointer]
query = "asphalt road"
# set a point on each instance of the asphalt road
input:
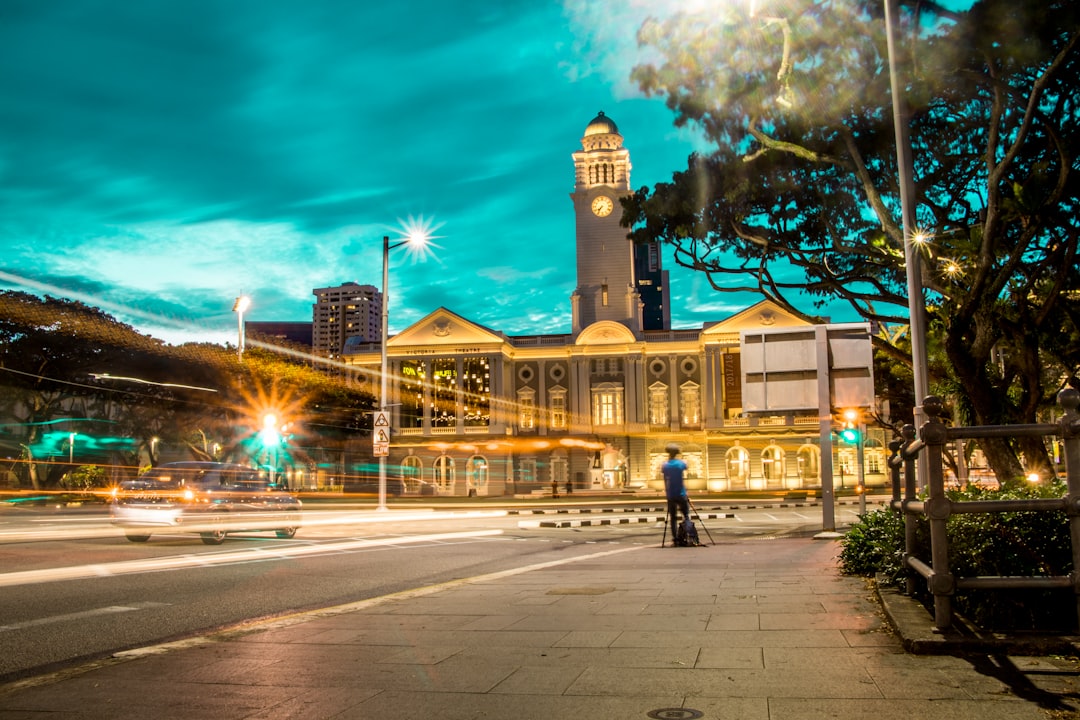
(72, 588)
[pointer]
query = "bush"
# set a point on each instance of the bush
(875, 547)
(1022, 544)
(85, 477)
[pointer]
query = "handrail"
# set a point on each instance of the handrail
(937, 508)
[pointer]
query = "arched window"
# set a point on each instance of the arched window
(411, 472)
(737, 466)
(772, 465)
(476, 474)
(808, 460)
(442, 473)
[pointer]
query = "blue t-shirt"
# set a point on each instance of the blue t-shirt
(673, 478)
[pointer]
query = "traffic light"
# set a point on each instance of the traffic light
(850, 435)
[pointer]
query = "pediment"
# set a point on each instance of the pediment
(443, 327)
(606, 332)
(761, 315)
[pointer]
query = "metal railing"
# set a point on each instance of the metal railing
(937, 508)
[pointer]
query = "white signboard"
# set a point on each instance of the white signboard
(781, 368)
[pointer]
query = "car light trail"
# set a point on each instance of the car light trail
(259, 554)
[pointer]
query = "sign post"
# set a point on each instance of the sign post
(380, 436)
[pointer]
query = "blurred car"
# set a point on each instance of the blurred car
(210, 498)
(416, 486)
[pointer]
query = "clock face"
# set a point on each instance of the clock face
(602, 206)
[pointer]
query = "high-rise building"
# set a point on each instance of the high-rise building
(343, 312)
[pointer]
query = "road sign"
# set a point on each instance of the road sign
(380, 437)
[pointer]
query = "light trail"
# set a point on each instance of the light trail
(246, 555)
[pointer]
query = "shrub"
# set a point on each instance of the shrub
(1019, 544)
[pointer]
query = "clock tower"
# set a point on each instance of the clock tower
(608, 264)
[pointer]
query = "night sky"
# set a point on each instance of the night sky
(160, 157)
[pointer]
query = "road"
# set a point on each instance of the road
(73, 588)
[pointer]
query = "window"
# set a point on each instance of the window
(604, 294)
(557, 404)
(411, 469)
(659, 407)
(526, 409)
(413, 374)
(772, 464)
(607, 404)
(476, 389)
(476, 474)
(443, 473)
(559, 472)
(737, 462)
(527, 470)
(444, 382)
(690, 404)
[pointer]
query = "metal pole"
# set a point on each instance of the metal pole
(860, 458)
(905, 169)
(382, 358)
(240, 335)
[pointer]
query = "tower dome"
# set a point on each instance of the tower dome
(601, 125)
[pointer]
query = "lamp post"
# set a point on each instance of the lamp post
(905, 168)
(416, 240)
(71, 448)
(239, 307)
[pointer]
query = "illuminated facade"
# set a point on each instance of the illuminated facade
(477, 412)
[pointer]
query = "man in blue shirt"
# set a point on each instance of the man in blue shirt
(675, 488)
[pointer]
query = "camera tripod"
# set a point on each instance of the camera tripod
(694, 514)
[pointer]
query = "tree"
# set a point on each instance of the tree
(68, 367)
(801, 197)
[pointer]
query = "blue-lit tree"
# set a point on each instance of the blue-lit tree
(800, 197)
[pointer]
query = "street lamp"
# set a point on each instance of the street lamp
(71, 448)
(239, 307)
(416, 239)
(916, 303)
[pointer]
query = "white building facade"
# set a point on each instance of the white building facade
(474, 411)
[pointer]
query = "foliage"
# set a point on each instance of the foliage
(801, 196)
(874, 546)
(67, 369)
(1013, 544)
(1021, 544)
(85, 477)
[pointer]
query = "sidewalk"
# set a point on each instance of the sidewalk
(749, 629)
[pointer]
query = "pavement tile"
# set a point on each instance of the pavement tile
(747, 630)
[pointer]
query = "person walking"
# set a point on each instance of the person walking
(674, 471)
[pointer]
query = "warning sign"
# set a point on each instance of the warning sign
(380, 438)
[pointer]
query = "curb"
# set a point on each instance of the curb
(624, 520)
(913, 623)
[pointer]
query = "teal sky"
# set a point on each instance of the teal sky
(159, 158)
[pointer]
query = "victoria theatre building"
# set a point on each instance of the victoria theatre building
(474, 411)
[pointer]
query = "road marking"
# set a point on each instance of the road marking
(111, 610)
(180, 562)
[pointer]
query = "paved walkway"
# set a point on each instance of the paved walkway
(748, 629)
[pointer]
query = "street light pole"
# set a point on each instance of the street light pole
(912, 261)
(382, 360)
(242, 303)
(414, 239)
